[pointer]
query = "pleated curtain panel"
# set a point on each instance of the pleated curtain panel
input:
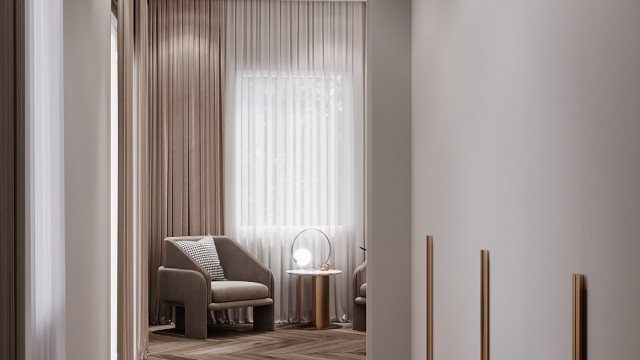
(256, 131)
(133, 180)
(186, 137)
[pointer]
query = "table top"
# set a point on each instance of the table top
(314, 272)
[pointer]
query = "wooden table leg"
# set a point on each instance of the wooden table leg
(313, 300)
(299, 298)
(320, 299)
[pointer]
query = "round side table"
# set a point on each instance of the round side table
(319, 295)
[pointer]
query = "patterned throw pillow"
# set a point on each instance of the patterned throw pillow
(204, 253)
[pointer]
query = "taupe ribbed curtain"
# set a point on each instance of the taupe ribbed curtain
(185, 108)
(133, 179)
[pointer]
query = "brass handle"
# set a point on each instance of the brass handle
(429, 297)
(484, 304)
(577, 322)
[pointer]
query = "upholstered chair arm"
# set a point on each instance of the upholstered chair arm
(359, 277)
(360, 301)
(187, 287)
(173, 256)
(240, 265)
(192, 292)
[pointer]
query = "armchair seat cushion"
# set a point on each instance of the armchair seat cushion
(226, 291)
(363, 290)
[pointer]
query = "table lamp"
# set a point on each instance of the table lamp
(303, 256)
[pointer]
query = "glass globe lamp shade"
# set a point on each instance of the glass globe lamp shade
(302, 257)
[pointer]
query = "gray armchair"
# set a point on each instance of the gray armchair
(184, 283)
(360, 302)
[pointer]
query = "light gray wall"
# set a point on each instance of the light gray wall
(389, 179)
(611, 177)
(526, 139)
(86, 159)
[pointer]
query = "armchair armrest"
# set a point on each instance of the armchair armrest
(241, 265)
(192, 292)
(360, 302)
(359, 277)
(183, 286)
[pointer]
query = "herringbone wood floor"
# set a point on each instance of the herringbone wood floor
(241, 342)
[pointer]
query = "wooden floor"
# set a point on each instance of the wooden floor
(241, 342)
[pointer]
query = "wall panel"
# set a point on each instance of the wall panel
(388, 176)
(526, 137)
(86, 57)
(497, 164)
(611, 177)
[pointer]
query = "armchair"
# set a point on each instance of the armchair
(182, 282)
(360, 302)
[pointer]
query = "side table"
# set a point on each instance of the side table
(319, 295)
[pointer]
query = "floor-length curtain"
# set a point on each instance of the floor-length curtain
(133, 179)
(186, 147)
(293, 122)
(45, 244)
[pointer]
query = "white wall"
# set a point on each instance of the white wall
(86, 147)
(389, 179)
(526, 135)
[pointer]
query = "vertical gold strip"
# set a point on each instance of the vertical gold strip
(484, 304)
(576, 316)
(429, 297)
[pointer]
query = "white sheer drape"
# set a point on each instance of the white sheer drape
(294, 132)
(45, 234)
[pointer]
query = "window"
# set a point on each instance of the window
(294, 147)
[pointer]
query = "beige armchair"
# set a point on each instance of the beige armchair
(184, 283)
(360, 301)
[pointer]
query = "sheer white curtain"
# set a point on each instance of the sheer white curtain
(45, 233)
(294, 132)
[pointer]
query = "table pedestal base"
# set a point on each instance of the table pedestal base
(319, 301)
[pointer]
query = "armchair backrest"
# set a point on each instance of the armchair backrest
(240, 265)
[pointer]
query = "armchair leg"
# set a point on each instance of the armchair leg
(263, 318)
(359, 317)
(179, 314)
(195, 321)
